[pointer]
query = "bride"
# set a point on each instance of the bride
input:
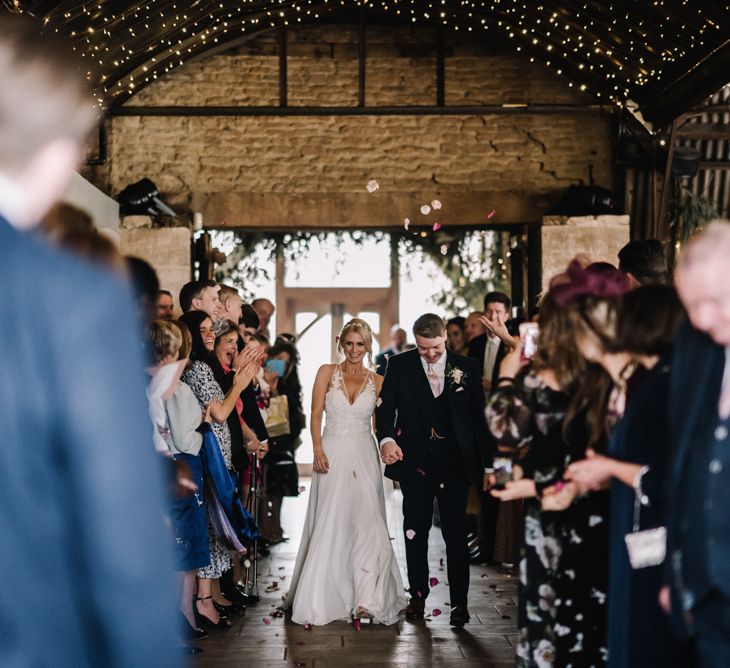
(346, 568)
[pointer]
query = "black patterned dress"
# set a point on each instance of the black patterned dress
(528, 417)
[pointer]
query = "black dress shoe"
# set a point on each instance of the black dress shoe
(190, 632)
(459, 616)
(416, 609)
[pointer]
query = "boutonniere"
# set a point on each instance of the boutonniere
(456, 375)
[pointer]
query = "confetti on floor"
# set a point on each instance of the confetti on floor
(372, 186)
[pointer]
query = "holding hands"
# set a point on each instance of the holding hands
(390, 453)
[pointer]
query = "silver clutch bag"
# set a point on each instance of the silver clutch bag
(646, 548)
(649, 547)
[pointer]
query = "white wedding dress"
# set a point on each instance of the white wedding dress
(345, 558)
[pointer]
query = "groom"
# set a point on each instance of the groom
(433, 438)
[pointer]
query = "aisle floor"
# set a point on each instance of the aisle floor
(257, 640)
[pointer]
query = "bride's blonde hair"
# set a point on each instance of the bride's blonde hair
(362, 328)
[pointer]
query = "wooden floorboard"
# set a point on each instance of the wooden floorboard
(487, 641)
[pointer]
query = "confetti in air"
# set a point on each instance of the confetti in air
(491, 213)
(266, 621)
(425, 209)
(433, 582)
(406, 223)
(436, 227)
(302, 489)
(420, 471)
(372, 186)
(436, 204)
(410, 534)
(436, 612)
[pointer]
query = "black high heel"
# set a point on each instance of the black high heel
(191, 632)
(225, 610)
(204, 621)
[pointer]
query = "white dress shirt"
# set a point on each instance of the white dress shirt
(490, 355)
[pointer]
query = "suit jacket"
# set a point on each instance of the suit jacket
(402, 413)
(696, 381)
(478, 348)
(85, 553)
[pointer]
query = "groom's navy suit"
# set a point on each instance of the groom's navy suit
(445, 443)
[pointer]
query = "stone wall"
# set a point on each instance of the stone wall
(312, 171)
(597, 238)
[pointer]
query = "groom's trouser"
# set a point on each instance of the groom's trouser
(418, 495)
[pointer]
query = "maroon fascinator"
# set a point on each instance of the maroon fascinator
(599, 280)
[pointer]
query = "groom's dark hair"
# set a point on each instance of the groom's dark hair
(429, 326)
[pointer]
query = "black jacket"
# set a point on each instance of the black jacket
(402, 413)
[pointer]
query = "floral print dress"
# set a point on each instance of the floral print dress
(528, 417)
(206, 389)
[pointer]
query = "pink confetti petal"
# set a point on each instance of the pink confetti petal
(307, 627)
(266, 621)
(425, 209)
(398, 432)
(356, 624)
(433, 582)
(410, 534)
(420, 471)
(302, 489)
(436, 227)
(491, 213)
(436, 612)
(419, 594)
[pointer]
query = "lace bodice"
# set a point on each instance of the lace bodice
(343, 416)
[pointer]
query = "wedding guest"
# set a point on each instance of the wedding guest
(265, 310)
(637, 457)
(170, 341)
(208, 392)
(85, 553)
(490, 347)
(398, 341)
(281, 476)
(698, 482)
(576, 550)
(644, 262)
(145, 285)
(94, 247)
(165, 305)
(249, 324)
(231, 304)
(526, 413)
(201, 296)
(455, 335)
(473, 326)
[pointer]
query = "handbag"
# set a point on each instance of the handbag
(277, 416)
(649, 547)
